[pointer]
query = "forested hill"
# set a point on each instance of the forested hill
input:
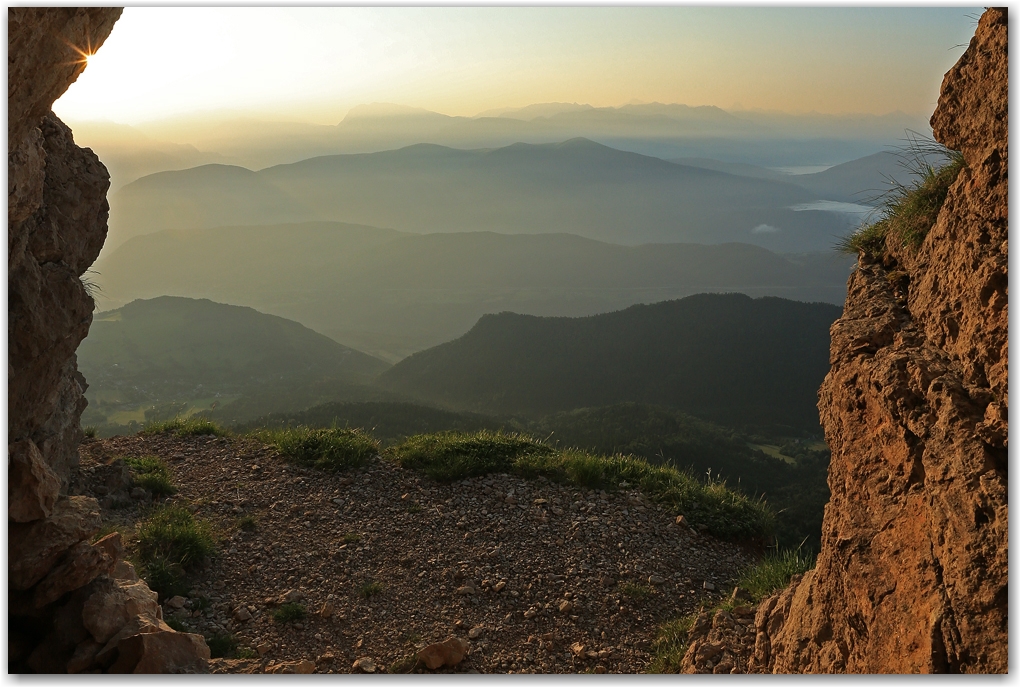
(723, 357)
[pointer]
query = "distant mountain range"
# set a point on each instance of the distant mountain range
(577, 186)
(392, 293)
(722, 357)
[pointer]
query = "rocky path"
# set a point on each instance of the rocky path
(536, 576)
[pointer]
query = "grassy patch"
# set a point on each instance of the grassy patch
(370, 589)
(289, 612)
(152, 474)
(247, 523)
(670, 645)
(908, 213)
(90, 431)
(351, 538)
(415, 508)
(452, 455)
(185, 427)
(246, 652)
(170, 542)
(221, 645)
(334, 449)
(635, 591)
(774, 572)
(177, 624)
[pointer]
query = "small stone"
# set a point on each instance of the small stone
(327, 657)
(500, 586)
(601, 670)
(577, 649)
(263, 648)
(466, 590)
(176, 602)
(566, 606)
(656, 580)
(530, 613)
(475, 632)
(448, 653)
(364, 665)
(682, 521)
(708, 586)
(242, 615)
(302, 667)
(327, 610)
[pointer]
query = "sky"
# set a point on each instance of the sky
(313, 64)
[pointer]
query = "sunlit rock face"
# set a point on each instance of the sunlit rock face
(56, 225)
(912, 576)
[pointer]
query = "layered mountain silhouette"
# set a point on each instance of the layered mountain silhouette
(392, 293)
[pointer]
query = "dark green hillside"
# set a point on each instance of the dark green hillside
(166, 353)
(724, 357)
(390, 293)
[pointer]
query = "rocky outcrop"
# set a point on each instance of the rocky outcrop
(56, 226)
(912, 576)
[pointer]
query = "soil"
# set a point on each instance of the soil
(539, 577)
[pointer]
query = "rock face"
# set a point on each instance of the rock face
(56, 226)
(913, 569)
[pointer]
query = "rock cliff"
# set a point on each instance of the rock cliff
(73, 605)
(912, 576)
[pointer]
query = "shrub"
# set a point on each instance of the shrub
(908, 213)
(170, 542)
(289, 612)
(185, 427)
(774, 572)
(334, 449)
(221, 645)
(450, 456)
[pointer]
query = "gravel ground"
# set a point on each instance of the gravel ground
(539, 577)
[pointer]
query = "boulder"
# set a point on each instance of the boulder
(32, 486)
(162, 652)
(448, 653)
(33, 548)
(82, 564)
(302, 667)
(113, 604)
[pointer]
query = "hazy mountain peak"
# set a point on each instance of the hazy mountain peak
(385, 110)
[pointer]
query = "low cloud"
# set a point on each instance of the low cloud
(765, 229)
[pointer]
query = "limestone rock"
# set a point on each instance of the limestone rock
(33, 548)
(448, 653)
(364, 664)
(913, 570)
(162, 652)
(32, 486)
(82, 563)
(113, 604)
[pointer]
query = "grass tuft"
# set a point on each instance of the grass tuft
(247, 523)
(774, 572)
(450, 456)
(288, 612)
(370, 589)
(185, 427)
(635, 591)
(908, 212)
(670, 645)
(90, 431)
(334, 449)
(152, 474)
(170, 542)
(221, 645)
(351, 538)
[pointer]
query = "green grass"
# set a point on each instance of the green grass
(334, 449)
(670, 645)
(171, 542)
(247, 523)
(177, 624)
(351, 538)
(288, 612)
(152, 474)
(90, 431)
(450, 456)
(185, 427)
(370, 589)
(246, 652)
(908, 213)
(635, 591)
(774, 572)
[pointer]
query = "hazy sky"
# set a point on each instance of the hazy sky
(313, 64)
